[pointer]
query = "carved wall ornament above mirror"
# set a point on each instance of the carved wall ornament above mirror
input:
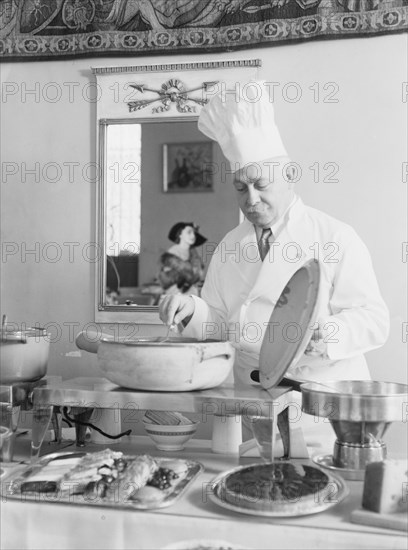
(172, 92)
(141, 111)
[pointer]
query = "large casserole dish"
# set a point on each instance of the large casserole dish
(177, 364)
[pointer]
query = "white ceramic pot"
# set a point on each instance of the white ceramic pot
(23, 355)
(178, 364)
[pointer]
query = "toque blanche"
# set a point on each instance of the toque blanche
(242, 121)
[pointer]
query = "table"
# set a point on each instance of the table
(82, 395)
(35, 525)
(100, 393)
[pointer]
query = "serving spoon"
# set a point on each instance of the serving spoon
(170, 328)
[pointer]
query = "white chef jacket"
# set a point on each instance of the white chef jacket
(240, 292)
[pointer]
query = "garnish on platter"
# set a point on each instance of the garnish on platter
(106, 477)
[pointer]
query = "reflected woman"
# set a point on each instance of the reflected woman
(182, 269)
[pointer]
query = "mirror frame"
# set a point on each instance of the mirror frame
(111, 82)
(102, 267)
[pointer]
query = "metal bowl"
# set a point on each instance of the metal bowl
(356, 400)
(360, 411)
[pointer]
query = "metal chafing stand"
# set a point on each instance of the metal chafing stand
(16, 398)
(84, 395)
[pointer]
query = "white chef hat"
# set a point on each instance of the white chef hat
(242, 122)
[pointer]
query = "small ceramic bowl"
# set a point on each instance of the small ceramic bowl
(170, 438)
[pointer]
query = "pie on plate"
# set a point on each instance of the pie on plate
(278, 488)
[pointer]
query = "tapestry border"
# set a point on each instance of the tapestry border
(205, 39)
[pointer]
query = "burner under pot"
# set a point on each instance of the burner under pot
(360, 412)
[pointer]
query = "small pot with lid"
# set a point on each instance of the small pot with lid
(23, 355)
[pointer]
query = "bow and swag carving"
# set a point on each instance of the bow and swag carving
(33, 29)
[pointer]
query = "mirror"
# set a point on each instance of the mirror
(156, 169)
(147, 192)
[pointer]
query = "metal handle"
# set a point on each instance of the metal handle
(14, 338)
(285, 382)
(22, 335)
(82, 341)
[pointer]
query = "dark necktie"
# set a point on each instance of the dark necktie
(264, 242)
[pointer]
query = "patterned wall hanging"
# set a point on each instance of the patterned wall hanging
(49, 29)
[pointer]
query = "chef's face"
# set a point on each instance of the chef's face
(187, 235)
(264, 191)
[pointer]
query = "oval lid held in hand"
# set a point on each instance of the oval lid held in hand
(290, 325)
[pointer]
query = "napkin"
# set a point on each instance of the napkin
(297, 442)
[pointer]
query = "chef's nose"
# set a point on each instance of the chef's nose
(253, 195)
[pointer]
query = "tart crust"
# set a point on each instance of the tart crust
(276, 487)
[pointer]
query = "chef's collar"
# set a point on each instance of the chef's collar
(279, 224)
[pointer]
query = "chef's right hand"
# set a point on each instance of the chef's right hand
(176, 308)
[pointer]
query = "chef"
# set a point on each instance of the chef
(253, 263)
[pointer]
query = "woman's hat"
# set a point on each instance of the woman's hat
(243, 123)
(178, 227)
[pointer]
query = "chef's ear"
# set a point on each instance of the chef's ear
(290, 174)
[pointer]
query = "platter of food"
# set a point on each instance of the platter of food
(278, 489)
(103, 478)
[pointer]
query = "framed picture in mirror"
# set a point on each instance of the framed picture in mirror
(188, 167)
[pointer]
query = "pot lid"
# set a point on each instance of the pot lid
(289, 330)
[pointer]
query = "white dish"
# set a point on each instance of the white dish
(296, 306)
(178, 364)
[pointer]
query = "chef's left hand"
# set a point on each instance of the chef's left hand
(317, 346)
